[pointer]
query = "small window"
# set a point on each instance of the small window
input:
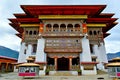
(25, 51)
(30, 33)
(98, 32)
(35, 33)
(95, 33)
(26, 32)
(91, 48)
(34, 47)
(90, 32)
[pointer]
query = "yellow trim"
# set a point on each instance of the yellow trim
(62, 17)
(29, 25)
(96, 25)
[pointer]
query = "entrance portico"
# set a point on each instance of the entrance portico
(63, 63)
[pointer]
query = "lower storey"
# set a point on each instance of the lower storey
(63, 63)
(6, 67)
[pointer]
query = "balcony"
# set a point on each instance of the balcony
(63, 50)
(62, 34)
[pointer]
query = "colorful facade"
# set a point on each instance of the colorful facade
(64, 37)
(8, 58)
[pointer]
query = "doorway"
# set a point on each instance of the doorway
(63, 64)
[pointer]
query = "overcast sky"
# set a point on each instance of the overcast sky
(9, 7)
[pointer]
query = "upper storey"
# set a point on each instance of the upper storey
(89, 14)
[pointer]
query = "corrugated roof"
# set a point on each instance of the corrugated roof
(8, 53)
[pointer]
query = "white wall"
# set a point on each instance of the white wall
(29, 51)
(40, 54)
(103, 53)
(22, 56)
(88, 72)
(100, 52)
(86, 55)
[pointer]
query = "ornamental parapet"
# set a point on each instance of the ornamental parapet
(62, 50)
(46, 35)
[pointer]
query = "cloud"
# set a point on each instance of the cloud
(8, 7)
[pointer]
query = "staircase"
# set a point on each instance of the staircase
(101, 72)
(63, 73)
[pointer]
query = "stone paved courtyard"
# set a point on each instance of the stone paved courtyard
(13, 76)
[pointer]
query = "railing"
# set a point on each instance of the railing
(62, 34)
(75, 67)
(51, 67)
(63, 50)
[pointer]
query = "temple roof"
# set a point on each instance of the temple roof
(92, 11)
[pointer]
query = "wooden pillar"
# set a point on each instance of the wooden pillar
(70, 63)
(0, 66)
(73, 27)
(55, 62)
(6, 68)
(52, 28)
(66, 28)
(59, 29)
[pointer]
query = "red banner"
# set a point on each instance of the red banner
(41, 27)
(84, 26)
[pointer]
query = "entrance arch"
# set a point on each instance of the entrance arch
(63, 64)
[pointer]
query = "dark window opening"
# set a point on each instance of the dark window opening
(50, 61)
(95, 33)
(90, 32)
(34, 47)
(75, 61)
(26, 32)
(35, 33)
(91, 48)
(30, 33)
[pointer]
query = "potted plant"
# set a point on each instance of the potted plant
(79, 72)
(47, 71)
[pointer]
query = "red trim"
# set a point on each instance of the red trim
(89, 62)
(27, 74)
(4, 57)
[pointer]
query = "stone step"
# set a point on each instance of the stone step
(63, 73)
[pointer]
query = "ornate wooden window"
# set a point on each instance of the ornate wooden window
(62, 27)
(77, 27)
(48, 27)
(34, 47)
(70, 28)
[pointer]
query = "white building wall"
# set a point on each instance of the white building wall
(85, 55)
(29, 51)
(103, 53)
(97, 53)
(22, 56)
(89, 72)
(40, 54)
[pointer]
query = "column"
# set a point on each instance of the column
(55, 62)
(73, 27)
(70, 63)
(29, 51)
(6, 68)
(66, 28)
(0, 66)
(59, 27)
(103, 52)
(96, 51)
(22, 57)
(52, 28)
(86, 55)
(40, 54)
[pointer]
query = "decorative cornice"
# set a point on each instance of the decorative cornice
(29, 25)
(62, 17)
(96, 25)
